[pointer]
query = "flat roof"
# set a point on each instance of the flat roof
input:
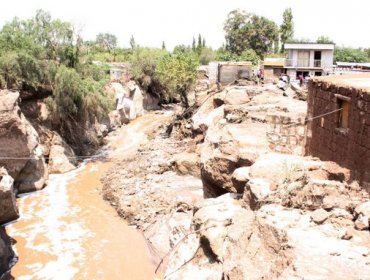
(358, 81)
(308, 46)
(274, 61)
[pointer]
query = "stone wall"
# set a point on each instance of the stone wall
(286, 134)
(326, 139)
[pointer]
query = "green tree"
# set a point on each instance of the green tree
(178, 72)
(19, 70)
(206, 56)
(249, 31)
(287, 27)
(324, 40)
(350, 55)
(133, 42)
(193, 46)
(249, 55)
(163, 45)
(106, 41)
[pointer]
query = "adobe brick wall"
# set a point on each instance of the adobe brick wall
(286, 134)
(348, 147)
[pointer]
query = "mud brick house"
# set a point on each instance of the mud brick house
(340, 129)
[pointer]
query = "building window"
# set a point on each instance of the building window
(344, 105)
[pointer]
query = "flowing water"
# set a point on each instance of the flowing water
(67, 231)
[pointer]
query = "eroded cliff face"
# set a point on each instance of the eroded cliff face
(20, 150)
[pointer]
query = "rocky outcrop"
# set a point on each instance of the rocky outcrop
(7, 257)
(21, 152)
(228, 242)
(61, 157)
(8, 206)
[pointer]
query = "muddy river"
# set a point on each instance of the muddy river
(67, 231)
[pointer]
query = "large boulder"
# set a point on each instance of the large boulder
(21, 153)
(6, 255)
(230, 244)
(236, 96)
(8, 206)
(61, 157)
(225, 149)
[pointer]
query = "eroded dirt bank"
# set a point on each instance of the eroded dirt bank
(67, 231)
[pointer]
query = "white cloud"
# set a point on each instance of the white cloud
(176, 22)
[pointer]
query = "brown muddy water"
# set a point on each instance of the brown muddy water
(67, 231)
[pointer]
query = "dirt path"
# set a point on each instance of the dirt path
(67, 231)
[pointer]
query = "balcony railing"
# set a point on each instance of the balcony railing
(302, 63)
(317, 63)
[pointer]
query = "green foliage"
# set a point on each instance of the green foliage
(287, 27)
(67, 98)
(350, 55)
(206, 56)
(74, 98)
(324, 40)
(250, 55)
(299, 40)
(106, 41)
(246, 55)
(178, 73)
(19, 69)
(143, 63)
(249, 31)
(133, 43)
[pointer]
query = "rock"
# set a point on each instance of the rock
(8, 206)
(205, 119)
(18, 139)
(348, 234)
(236, 97)
(231, 245)
(259, 189)
(187, 163)
(61, 158)
(278, 168)
(240, 177)
(363, 208)
(137, 97)
(319, 216)
(362, 212)
(6, 255)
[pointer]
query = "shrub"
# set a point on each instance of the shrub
(19, 69)
(178, 73)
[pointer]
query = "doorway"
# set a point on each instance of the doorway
(317, 59)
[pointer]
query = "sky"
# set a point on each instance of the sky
(176, 22)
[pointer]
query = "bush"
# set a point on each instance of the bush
(143, 63)
(18, 70)
(75, 98)
(178, 73)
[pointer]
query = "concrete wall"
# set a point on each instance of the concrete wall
(327, 58)
(325, 139)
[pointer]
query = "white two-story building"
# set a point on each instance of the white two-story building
(309, 59)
